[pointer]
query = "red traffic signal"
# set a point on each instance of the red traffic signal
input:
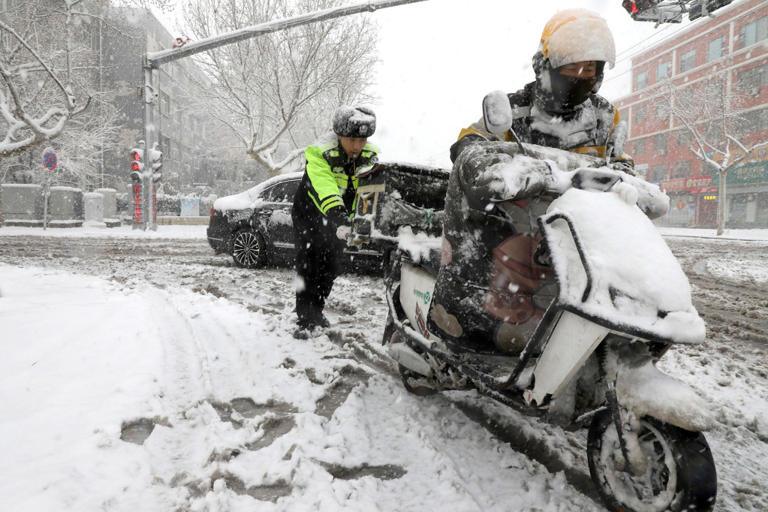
(136, 157)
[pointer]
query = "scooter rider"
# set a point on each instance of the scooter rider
(323, 203)
(493, 284)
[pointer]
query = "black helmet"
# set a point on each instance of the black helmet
(357, 122)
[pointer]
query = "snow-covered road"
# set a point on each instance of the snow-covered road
(144, 373)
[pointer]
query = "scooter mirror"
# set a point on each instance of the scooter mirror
(617, 141)
(497, 113)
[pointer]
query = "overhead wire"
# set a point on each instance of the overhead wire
(639, 51)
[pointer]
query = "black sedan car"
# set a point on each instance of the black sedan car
(255, 226)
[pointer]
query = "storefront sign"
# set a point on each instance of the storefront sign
(692, 184)
(751, 173)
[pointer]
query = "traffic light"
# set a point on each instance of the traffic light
(700, 8)
(137, 166)
(156, 162)
(656, 11)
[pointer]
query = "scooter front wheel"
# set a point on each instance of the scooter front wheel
(415, 383)
(680, 472)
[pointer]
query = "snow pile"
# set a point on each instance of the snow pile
(636, 281)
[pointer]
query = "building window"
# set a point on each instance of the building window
(753, 32)
(688, 61)
(660, 143)
(658, 172)
(662, 111)
(716, 49)
(751, 80)
(683, 138)
(641, 80)
(165, 104)
(165, 147)
(639, 146)
(754, 121)
(641, 113)
(682, 169)
(663, 69)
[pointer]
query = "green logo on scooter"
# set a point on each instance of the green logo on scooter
(422, 296)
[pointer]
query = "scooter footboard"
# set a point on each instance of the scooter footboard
(572, 341)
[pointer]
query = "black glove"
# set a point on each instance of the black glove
(337, 216)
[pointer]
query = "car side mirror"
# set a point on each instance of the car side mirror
(617, 142)
(497, 113)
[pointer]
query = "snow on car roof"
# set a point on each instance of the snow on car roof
(248, 198)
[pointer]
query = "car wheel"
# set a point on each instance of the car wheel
(248, 249)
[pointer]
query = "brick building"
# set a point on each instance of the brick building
(197, 151)
(730, 50)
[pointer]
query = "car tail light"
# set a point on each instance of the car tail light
(211, 211)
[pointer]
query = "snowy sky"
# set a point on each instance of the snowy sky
(438, 58)
(431, 83)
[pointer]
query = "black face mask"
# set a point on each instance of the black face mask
(568, 92)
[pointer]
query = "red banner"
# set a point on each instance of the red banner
(690, 184)
(137, 204)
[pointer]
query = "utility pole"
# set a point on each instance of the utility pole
(153, 60)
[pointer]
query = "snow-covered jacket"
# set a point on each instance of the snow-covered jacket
(494, 282)
(586, 130)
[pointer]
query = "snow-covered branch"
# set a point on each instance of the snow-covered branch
(710, 113)
(33, 111)
(280, 89)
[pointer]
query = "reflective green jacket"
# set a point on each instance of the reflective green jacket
(330, 177)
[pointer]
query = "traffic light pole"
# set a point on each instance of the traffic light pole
(150, 136)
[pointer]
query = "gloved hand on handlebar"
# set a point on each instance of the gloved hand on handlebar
(594, 179)
(343, 232)
(624, 166)
(337, 216)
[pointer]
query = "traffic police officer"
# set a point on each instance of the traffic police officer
(324, 203)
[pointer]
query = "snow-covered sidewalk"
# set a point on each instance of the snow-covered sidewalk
(164, 231)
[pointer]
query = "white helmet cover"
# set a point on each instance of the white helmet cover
(577, 35)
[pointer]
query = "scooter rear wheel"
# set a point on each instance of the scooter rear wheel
(680, 476)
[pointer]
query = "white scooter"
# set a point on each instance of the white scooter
(623, 301)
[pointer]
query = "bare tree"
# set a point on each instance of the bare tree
(711, 113)
(36, 98)
(56, 98)
(277, 92)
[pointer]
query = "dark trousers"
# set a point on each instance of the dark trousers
(318, 255)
